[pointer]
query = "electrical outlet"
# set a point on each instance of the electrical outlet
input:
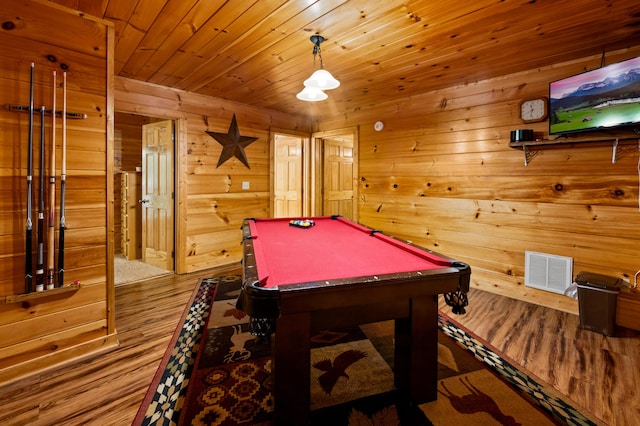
(245, 185)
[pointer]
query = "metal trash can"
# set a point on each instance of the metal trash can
(597, 296)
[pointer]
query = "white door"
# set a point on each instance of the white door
(157, 194)
(287, 176)
(338, 182)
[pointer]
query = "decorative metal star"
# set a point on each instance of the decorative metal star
(233, 144)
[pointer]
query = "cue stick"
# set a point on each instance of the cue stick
(63, 179)
(40, 261)
(28, 274)
(52, 193)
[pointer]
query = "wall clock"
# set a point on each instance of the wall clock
(533, 110)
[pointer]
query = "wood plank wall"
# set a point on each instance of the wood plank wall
(36, 333)
(211, 203)
(127, 156)
(442, 174)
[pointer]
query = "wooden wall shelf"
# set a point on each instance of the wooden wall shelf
(39, 294)
(526, 146)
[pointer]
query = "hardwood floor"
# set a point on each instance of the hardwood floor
(107, 389)
(599, 373)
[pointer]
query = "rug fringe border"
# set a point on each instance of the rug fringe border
(198, 306)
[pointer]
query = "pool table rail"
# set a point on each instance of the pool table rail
(260, 301)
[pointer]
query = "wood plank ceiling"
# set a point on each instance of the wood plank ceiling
(258, 52)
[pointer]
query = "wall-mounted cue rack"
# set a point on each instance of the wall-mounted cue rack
(69, 114)
(47, 276)
(67, 289)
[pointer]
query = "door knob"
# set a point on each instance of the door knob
(143, 201)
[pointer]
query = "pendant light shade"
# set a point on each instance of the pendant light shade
(311, 94)
(320, 80)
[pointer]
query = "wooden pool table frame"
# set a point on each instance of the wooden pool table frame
(409, 298)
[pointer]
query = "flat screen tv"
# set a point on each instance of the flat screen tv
(601, 99)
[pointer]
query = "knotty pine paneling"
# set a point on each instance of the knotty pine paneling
(128, 141)
(596, 188)
(127, 156)
(441, 173)
(211, 203)
(117, 218)
(259, 53)
(42, 332)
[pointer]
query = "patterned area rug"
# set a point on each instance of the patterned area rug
(216, 373)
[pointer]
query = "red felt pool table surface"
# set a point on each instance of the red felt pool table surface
(334, 248)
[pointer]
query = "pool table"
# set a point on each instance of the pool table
(338, 273)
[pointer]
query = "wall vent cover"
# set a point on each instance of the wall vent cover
(547, 271)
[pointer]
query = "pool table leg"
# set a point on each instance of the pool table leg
(416, 350)
(291, 369)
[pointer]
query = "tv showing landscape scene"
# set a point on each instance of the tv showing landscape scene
(601, 99)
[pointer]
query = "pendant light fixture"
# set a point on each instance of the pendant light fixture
(320, 80)
(311, 94)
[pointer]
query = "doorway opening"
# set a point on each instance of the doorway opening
(144, 209)
(314, 176)
(288, 174)
(335, 155)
